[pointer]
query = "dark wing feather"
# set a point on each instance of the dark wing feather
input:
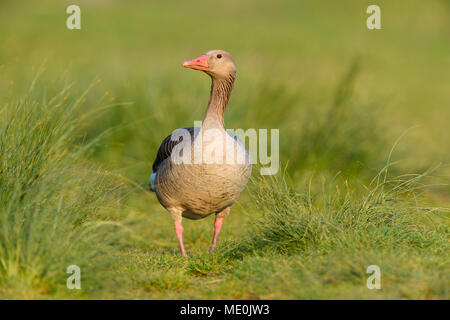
(166, 147)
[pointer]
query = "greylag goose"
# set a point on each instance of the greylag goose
(199, 171)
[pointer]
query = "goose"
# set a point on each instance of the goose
(202, 170)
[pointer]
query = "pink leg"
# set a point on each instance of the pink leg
(217, 226)
(179, 231)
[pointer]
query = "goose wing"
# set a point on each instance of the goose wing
(166, 147)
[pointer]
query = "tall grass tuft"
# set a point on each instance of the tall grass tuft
(331, 215)
(52, 201)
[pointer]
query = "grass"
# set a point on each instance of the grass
(78, 136)
(52, 199)
(311, 244)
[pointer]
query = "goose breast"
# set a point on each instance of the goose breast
(219, 169)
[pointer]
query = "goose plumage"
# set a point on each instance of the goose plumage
(199, 171)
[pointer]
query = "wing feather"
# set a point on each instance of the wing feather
(166, 147)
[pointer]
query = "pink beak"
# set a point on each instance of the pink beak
(200, 63)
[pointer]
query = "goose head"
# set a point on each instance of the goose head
(218, 64)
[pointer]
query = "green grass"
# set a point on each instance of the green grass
(362, 115)
(52, 199)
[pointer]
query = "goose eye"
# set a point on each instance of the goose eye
(219, 56)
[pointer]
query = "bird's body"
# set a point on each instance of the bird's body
(200, 189)
(199, 171)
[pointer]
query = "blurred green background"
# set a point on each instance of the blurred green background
(290, 55)
(340, 94)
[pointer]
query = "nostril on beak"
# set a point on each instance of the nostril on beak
(200, 63)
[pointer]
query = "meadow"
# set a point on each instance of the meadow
(364, 149)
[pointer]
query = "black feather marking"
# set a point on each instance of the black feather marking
(166, 147)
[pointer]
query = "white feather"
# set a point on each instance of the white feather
(153, 181)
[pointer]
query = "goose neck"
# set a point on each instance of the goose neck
(218, 100)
